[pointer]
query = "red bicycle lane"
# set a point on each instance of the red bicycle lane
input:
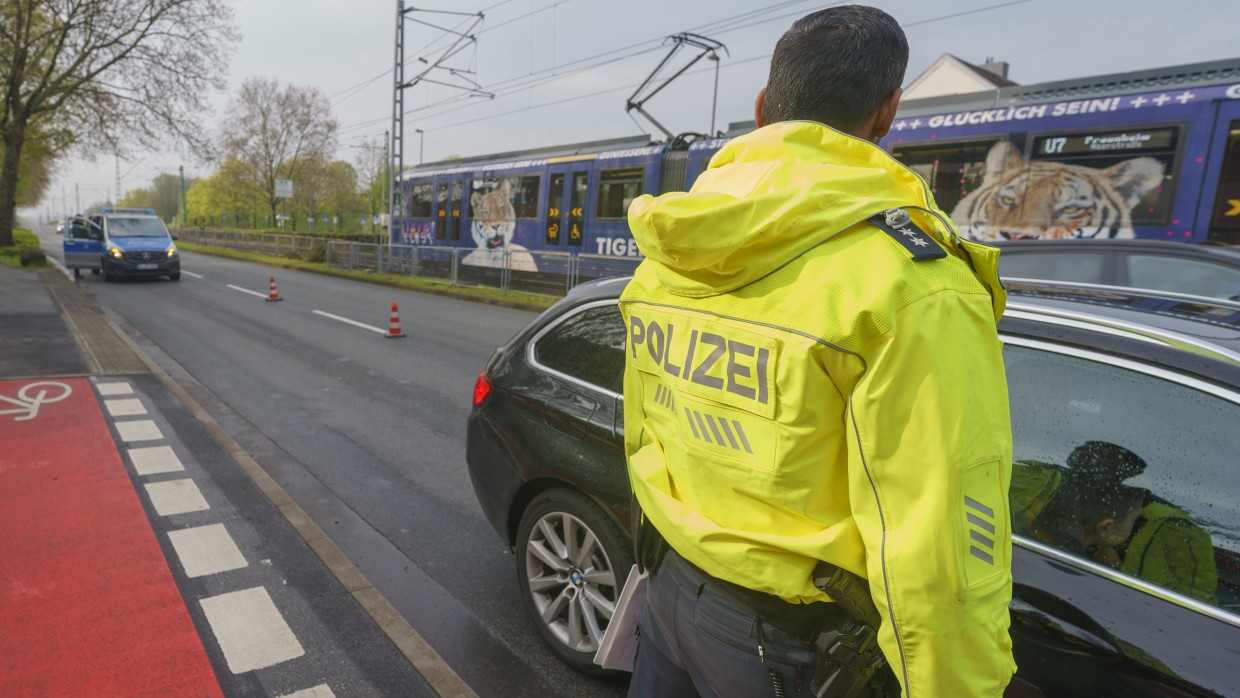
(88, 605)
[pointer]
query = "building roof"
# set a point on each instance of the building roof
(950, 75)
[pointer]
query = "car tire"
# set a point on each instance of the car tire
(107, 278)
(175, 276)
(95, 272)
(572, 561)
(77, 273)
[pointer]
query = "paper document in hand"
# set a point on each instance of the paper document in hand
(618, 649)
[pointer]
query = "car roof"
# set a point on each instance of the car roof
(1186, 333)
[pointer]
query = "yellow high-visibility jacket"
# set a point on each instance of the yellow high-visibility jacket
(799, 386)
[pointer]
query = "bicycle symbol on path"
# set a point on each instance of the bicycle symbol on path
(34, 395)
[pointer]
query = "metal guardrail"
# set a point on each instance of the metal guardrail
(550, 273)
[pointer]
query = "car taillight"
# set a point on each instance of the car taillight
(482, 389)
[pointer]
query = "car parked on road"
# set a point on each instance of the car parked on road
(120, 242)
(1206, 270)
(1150, 384)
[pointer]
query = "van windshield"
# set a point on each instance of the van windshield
(136, 228)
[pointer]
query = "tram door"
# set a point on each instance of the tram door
(1225, 216)
(566, 205)
(448, 209)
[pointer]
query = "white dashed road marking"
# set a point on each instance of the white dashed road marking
(127, 407)
(250, 630)
(110, 389)
(153, 460)
(139, 430)
(346, 320)
(246, 290)
(190, 273)
(320, 691)
(176, 497)
(206, 550)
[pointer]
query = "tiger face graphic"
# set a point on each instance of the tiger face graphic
(494, 218)
(493, 222)
(1019, 199)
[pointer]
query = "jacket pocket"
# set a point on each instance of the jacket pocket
(985, 522)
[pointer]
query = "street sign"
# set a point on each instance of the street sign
(284, 188)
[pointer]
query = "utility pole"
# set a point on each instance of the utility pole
(77, 199)
(397, 153)
(117, 202)
(182, 207)
(387, 179)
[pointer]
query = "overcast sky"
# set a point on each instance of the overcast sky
(562, 70)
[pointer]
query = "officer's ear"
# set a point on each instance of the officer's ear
(757, 108)
(1107, 531)
(885, 115)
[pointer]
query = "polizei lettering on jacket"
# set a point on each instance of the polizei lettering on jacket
(716, 360)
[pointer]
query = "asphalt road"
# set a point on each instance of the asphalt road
(366, 432)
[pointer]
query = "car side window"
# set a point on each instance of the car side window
(79, 229)
(587, 345)
(1197, 277)
(1075, 266)
(1127, 469)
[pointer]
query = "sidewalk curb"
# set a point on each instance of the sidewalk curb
(425, 660)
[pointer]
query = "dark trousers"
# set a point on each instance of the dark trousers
(700, 637)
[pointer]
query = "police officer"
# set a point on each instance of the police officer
(813, 375)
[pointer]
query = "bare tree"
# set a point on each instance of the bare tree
(109, 74)
(372, 171)
(276, 132)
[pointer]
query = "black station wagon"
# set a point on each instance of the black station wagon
(1119, 399)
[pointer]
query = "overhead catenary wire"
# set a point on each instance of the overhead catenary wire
(512, 86)
(652, 44)
(515, 89)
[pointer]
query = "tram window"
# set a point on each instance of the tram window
(616, 190)
(576, 212)
(1117, 159)
(1225, 224)
(420, 200)
(521, 193)
(951, 170)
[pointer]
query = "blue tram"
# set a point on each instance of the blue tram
(1147, 154)
(566, 199)
(1150, 154)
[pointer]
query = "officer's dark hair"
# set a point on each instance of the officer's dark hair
(836, 66)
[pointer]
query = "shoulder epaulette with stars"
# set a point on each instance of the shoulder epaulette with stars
(896, 223)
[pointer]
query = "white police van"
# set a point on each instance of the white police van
(121, 242)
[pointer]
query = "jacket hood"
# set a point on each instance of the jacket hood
(766, 197)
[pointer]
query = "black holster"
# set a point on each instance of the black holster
(849, 663)
(649, 546)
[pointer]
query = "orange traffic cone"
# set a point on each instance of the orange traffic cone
(274, 295)
(394, 327)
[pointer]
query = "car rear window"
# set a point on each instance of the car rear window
(1070, 266)
(1197, 277)
(587, 345)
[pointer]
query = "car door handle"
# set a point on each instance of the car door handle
(1056, 624)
